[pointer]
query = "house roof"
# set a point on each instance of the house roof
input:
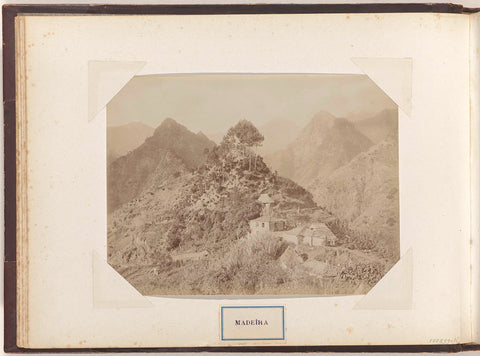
(265, 199)
(266, 218)
(319, 230)
(297, 231)
(322, 227)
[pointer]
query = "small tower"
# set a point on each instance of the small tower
(266, 201)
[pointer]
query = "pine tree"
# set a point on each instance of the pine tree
(244, 135)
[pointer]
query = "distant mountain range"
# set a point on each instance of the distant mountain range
(324, 145)
(380, 126)
(125, 138)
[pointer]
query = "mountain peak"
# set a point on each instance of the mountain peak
(322, 119)
(169, 125)
(168, 121)
(319, 124)
(325, 144)
(171, 149)
(323, 115)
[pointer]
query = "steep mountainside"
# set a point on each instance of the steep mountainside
(380, 126)
(125, 138)
(186, 145)
(364, 193)
(171, 150)
(324, 145)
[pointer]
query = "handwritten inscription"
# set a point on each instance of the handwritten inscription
(444, 341)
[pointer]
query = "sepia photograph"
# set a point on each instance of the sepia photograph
(252, 184)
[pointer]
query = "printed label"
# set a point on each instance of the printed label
(252, 323)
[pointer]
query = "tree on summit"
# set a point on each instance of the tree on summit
(245, 135)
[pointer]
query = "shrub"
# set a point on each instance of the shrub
(249, 267)
(361, 243)
(368, 272)
(269, 245)
(173, 241)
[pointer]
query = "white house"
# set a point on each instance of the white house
(266, 224)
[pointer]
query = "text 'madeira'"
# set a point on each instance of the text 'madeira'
(266, 322)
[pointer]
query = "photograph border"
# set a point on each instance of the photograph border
(10, 12)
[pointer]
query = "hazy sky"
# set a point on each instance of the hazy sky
(213, 103)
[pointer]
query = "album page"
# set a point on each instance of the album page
(220, 180)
